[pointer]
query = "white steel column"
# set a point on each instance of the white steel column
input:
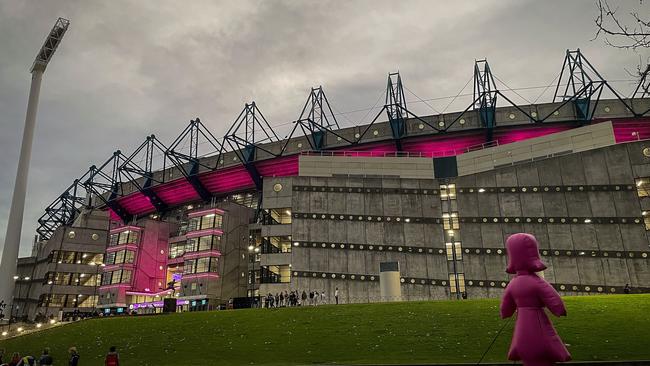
(15, 223)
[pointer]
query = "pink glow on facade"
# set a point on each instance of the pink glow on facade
(136, 202)
(204, 232)
(125, 228)
(176, 192)
(199, 275)
(236, 178)
(627, 131)
(278, 167)
(117, 248)
(177, 260)
(146, 293)
(205, 212)
(117, 285)
(112, 267)
(205, 253)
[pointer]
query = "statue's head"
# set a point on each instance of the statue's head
(523, 254)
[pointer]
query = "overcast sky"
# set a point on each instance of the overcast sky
(127, 69)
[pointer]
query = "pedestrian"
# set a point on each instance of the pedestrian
(311, 297)
(74, 356)
(627, 288)
(281, 298)
(322, 297)
(46, 359)
(336, 295)
(27, 361)
(15, 358)
(277, 300)
(112, 357)
(316, 296)
(304, 298)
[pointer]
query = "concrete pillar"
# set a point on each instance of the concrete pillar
(389, 282)
(15, 223)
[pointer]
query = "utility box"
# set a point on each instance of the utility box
(389, 281)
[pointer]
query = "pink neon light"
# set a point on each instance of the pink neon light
(236, 178)
(125, 228)
(117, 248)
(204, 232)
(117, 285)
(112, 267)
(176, 192)
(205, 212)
(176, 260)
(144, 293)
(199, 275)
(205, 253)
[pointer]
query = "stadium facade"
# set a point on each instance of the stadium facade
(320, 210)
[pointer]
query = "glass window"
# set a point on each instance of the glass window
(214, 264)
(193, 224)
(457, 282)
(191, 245)
(450, 251)
(126, 276)
(202, 265)
(177, 249)
(129, 256)
(447, 192)
(450, 221)
(119, 257)
(205, 243)
(643, 187)
(189, 266)
(114, 239)
(278, 216)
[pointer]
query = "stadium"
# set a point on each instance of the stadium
(205, 222)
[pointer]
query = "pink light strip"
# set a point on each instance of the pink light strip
(117, 248)
(204, 232)
(176, 260)
(125, 228)
(205, 212)
(199, 275)
(205, 253)
(117, 285)
(112, 267)
(144, 293)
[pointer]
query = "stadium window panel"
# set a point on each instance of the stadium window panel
(110, 258)
(205, 243)
(192, 245)
(193, 224)
(189, 266)
(119, 257)
(452, 283)
(176, 249)
(454, 247)
(113, 240)
(129, 256)
(643, 186)
(461, 282)
(280, 216)
(213, 264)
(646, 222)
(202, 265)
(126, 276)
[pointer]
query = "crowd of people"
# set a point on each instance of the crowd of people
(297, 298)
(112, 358)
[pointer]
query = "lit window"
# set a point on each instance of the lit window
(456, 246)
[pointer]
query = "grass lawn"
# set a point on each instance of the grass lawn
(613, 327)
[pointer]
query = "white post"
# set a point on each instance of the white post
(15, 223)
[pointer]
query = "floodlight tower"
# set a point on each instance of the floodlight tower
(15, 223)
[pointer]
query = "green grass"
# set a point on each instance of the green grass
(598, 328)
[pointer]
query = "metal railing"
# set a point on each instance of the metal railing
(401, 154)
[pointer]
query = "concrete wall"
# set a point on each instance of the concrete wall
(583, 208)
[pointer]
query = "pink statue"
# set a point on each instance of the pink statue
(534, 340)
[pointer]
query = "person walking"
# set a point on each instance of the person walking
(316, 296)
(46, 359)
(627, 288)
(304, 298)
(15, 358)
(74, 356)
(27, 361)
(311, 297)
(112, 357)
(336, 295)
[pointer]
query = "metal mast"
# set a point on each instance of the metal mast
(15, 223)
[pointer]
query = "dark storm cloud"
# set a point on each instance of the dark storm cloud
(128, 69)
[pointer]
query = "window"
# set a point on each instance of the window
(277, 216)
(643, 187)
(450, 251)
(202, 243)
(120, 257)
(450, 221)
(209, 221)
(115, 277)
(124, 237)
(275, 274)
(189, 266)
(177, 249)
(276, 244)
(447, 191)
(201, 265)
(457, 283)
(62, 256)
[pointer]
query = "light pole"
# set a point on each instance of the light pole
(8, 264)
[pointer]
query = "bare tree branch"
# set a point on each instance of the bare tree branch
(618, 34)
